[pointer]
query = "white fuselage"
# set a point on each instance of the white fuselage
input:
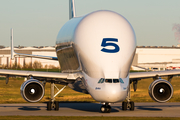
(101, 45)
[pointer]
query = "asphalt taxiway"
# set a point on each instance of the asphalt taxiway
(91, 109)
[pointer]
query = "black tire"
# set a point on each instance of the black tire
(108, 109)
(49, 107)
(103, 109)
(124, 106)
(56, 105)
(132, 106)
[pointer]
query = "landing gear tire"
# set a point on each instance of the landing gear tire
(49, 106)
(56, 105)
(124, 106)
(108, 109)
(131, 106)
(105, 109)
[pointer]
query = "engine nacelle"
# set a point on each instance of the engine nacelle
(160, 90)
(32, 90)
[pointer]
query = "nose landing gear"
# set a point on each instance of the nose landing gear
(106, 108)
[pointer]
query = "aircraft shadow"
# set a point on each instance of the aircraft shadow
(149, 108)
(155, 107)
(26, 108)
(90, 107)
(95, 107)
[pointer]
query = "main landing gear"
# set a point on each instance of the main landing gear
(129, 104)
(106, 108)
(52, 104)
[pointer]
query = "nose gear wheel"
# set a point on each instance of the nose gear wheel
(105, 108)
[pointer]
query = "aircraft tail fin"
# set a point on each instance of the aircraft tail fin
(72, 12)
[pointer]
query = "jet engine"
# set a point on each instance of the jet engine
(32, 90)
(160, 90)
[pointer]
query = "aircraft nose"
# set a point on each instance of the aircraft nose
(114, 93)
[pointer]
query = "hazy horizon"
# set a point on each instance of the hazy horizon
(37, 22)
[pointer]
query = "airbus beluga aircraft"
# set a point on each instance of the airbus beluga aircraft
(95, 53)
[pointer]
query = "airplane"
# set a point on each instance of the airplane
(95, 53)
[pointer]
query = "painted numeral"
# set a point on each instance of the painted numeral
(110, 42)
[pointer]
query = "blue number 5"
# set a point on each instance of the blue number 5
(108, 42)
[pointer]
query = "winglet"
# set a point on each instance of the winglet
(72, 12)
(12, 45)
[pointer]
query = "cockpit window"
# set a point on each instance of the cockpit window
(101, 80)
(108, 80)
(121, 81)
(115, 80)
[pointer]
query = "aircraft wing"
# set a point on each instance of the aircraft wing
(40, 75)
(153, 74)
(136, 76)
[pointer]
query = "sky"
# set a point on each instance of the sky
(37, 22)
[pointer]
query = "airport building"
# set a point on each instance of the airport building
(146, 57)
(6, 62)
(156, 58)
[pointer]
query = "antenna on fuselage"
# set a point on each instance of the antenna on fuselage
(72, 12)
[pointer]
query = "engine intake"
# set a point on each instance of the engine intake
(160, 90)
(32, 90)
